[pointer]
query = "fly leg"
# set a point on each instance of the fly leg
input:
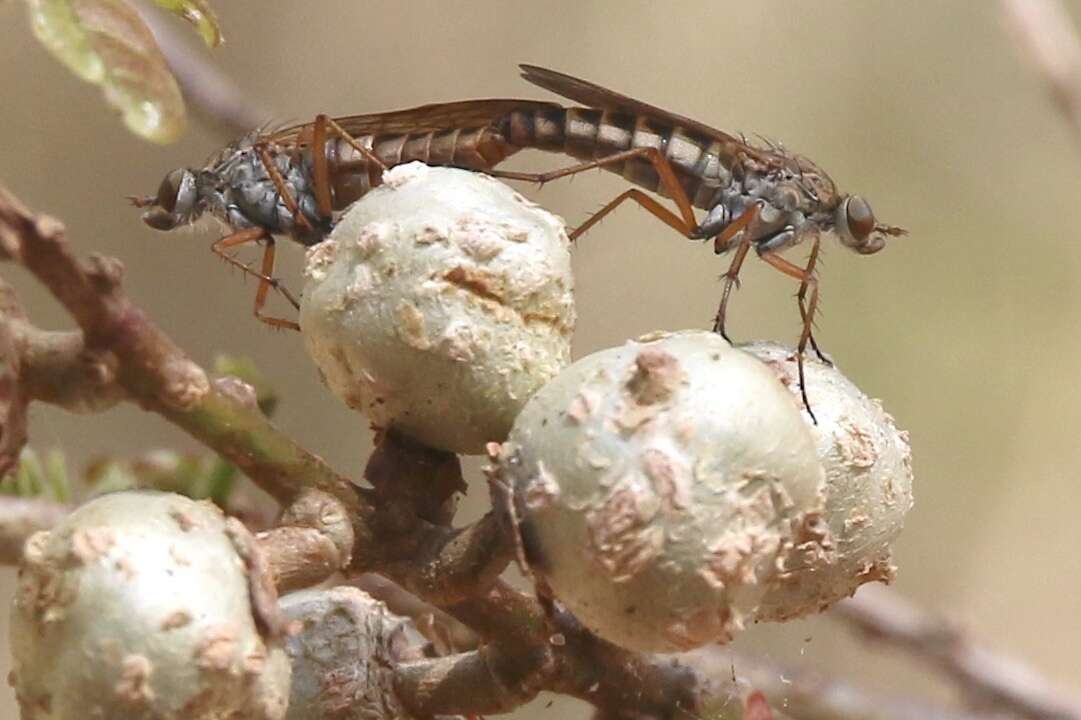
(808, 283)
(731, 278)
(808, 318)
(321, 174)
(266, 281)
(264, 287)
(683, 223)
(238, 238)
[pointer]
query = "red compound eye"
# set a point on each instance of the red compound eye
(860, 219)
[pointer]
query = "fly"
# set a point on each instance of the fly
(291, 182)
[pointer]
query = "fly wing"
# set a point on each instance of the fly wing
(464, 114)
(595, 96)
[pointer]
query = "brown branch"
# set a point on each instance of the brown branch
(421, 481)
(58, 368)
(543, 648)
(299, 557)
(1047, 36)
(14, 397)
(157, 373)
(447, 634)
(438, 563)
(51, 366)
(22, 517)
(211, 92)
(484, 681)
(988, 680)
(403, 533)
(447, 565)
(163, 379)
(314, 542)
(553, 652)
(532, 650)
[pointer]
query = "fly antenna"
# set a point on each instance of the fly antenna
(891, 230)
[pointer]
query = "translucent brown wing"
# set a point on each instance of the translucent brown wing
(426, 118)
(595, 96)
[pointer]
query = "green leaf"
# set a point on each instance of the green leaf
(106, 476)
(56, 476)
(221, 478)
(106, 42)
(34, 478)
(196, 476)
(29, 478)
(199, 14)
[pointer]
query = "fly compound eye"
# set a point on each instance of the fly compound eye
(176, 194)
(855, 225)
(859, 218)
(169, 189)
(174, 203)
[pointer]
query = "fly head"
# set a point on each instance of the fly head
(855, 225)
(175, 203)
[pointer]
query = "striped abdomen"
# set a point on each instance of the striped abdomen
(477, 148)
(590, 134)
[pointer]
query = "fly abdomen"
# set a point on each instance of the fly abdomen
(541, 129)
(476, 148)
(580, 133)
(583, 133)
(615, 133)
(590, 134)
(646, 134)
(415, 146)
(689, 154)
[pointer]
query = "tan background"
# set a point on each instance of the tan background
(968, 328)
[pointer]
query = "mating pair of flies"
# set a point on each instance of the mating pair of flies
(291, 182)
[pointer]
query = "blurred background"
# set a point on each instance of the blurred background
(967, 329)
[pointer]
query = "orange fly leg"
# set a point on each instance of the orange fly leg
(684, 223)
(321, 169)
(731, 278)
(240, 237)
(649, 204)
(810, 281)
(808, 318)
(266, 280)
(264, 287)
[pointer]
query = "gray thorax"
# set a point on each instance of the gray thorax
(789, 207)
(238, 190)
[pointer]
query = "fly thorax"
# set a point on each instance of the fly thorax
(785, 196)
(750, 185)
(251, 193)
(299, 180)
(783, 202)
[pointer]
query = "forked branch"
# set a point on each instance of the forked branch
(403, 531)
